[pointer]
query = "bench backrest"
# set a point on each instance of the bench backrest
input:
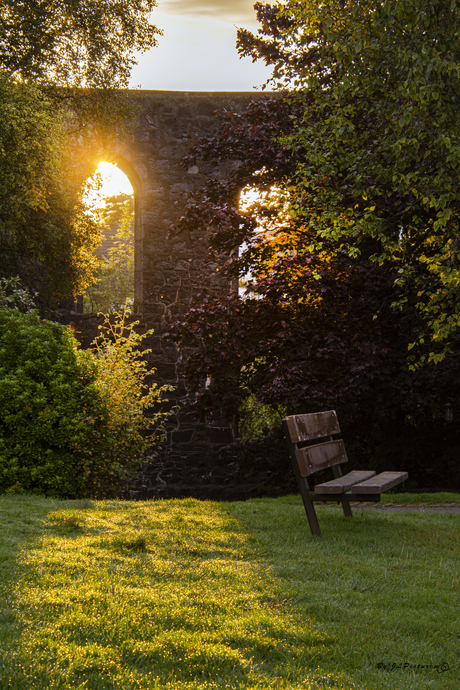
(311, 427)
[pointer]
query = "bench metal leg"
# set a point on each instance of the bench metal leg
(346, 507)
(309, 507)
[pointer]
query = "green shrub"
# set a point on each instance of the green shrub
(258, 420)
(62, 431)
(121, 374)
(50, 409)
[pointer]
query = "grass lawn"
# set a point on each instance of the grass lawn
(188, 594)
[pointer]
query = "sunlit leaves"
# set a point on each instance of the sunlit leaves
(49, 127)
(75, 42)
(114, 287)
(45, 234)
(121, 380)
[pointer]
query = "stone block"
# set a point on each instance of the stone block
(179, 248)
(179, 188)
(183, 265)
(156, 278)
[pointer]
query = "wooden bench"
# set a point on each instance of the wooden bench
(307, 458)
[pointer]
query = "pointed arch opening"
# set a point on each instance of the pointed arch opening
(110, 196)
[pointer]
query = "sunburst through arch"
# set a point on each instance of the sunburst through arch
(109, 196)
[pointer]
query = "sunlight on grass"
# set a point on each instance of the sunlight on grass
(188, 594)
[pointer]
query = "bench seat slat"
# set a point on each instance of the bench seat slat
(380, 483)
(341, 484)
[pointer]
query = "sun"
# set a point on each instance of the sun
(112, 181)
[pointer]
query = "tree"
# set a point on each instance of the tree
(114, 289)
(48, 127)
(88, 43)
(378, 84)
(46, 235)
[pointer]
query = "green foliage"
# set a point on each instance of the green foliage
(69, 420)
(50, 133)
(258, 420)
(47, 236)
(121, 375)
(114, 288)
(14, 296)
(51, 412)
(377, 138)
(75, 42)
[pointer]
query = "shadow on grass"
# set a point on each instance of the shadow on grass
(188, 594)
(20, 524)
(383, 588)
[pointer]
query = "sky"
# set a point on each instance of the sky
(197, 51)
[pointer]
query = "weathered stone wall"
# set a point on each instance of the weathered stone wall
(172, 267)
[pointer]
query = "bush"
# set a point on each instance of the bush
(258, 420)
(63, 432)
(14, 296)
(121, 375)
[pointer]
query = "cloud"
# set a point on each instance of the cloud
(234, 11)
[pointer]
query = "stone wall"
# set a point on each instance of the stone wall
(171, 267)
